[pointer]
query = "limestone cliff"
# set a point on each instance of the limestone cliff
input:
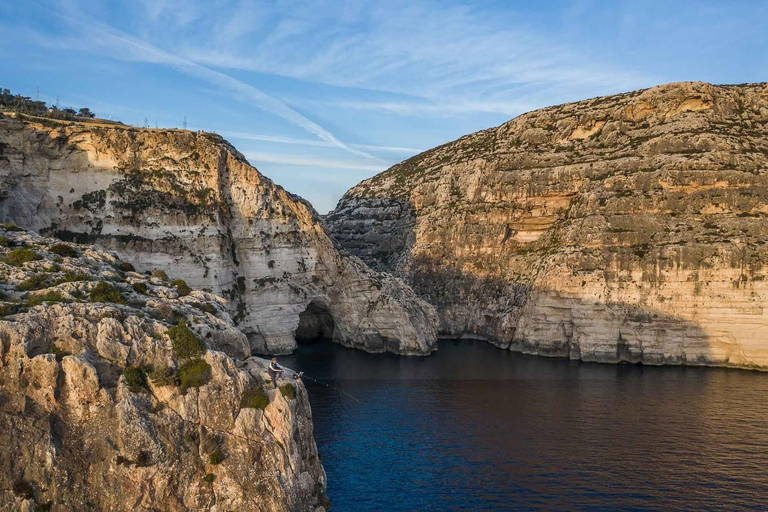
(190, 204)
(105, 406)
(622, 228)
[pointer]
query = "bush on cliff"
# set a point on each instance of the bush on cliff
(63, 250)
(193, 374)
(182, 287)
(288, 391)
(254, 398)
(185, 343)
(20, 256)
(160, 274)
(136, 379)
(105, 292)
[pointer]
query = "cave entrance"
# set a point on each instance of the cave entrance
(315, 324)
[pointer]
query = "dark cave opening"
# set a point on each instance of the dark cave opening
(315, 324)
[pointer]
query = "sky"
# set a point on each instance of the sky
(319, 95)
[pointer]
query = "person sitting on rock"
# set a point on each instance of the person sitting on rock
(275, 371)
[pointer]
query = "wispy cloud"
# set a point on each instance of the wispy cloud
(324, 163)
(123, 46)
(315, 143)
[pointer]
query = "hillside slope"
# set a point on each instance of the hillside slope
(190, 204)
(622, 228)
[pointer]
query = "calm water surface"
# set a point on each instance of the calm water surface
(472, 427)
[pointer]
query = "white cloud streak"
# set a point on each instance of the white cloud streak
(123, 46)
(316, 143)
(279, 158)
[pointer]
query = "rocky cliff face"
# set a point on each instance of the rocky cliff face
(190, 204)
(622, 228)
(105, 406)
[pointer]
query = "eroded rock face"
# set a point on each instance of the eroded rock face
(622, 228)
(102, 408)
(190, 204)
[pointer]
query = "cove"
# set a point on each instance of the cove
(472, 427)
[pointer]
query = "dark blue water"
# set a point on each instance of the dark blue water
(472, 427)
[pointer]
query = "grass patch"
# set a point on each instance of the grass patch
(63, 250)
(34, 282)
(216, 458)
(49, 298)
(20, 256)
(182, 287)
(10, 227)
(139, 287)
(193, 374)
(288, 391)
(8, 309)
(136, 379)
(105, 292)
(73, 277)
(209, 478)
(5, 241)
(160, 274)
(185, 343)
(125, 266)
(254, 398)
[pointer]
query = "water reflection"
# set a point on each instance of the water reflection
(472, 427)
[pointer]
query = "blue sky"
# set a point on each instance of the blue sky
(320, 95)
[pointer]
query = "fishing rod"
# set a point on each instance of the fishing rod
(302, 375)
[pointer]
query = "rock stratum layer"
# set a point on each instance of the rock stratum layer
(621, 228)
(190, 204)
(104, 406)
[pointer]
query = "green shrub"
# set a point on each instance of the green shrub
(136, 379)
(254, 398)
(160, 274)
(140, 287)
(105, 292)
(216, 458)
(193, 374)
(73, 277)
(164, 377)
(288, 391)
(21, 255)
(207, 307)
(10, 227)
(185, 343)
(209, 478)
(34, 282)
(125, 266)
(57, 352)
(5, 241)
(47, 297)
(63, 250)
(182, 287)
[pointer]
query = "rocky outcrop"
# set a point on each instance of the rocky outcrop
(622, 228)
(190, 204)
(105, 406)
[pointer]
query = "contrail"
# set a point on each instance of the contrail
(244, 92)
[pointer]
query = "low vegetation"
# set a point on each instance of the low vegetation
(105, 292)
(21, 255)
(182, 287)
(185, 343)
(160, 274)
(193, 374)
(254, 398)
(288, 391)
(63, 250)
(136, 379)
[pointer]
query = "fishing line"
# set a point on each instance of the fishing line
(304, 376)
